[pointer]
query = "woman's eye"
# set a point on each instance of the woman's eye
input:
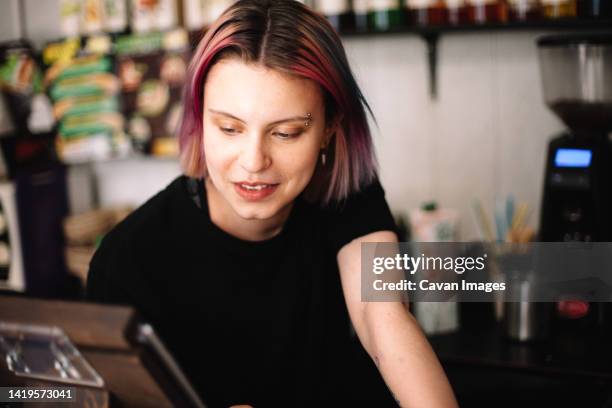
(228, 131)
(286, 135)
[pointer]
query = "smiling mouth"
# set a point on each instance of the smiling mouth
(255, 187)
(254, 191)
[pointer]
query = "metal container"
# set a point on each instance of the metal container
(576, 73)
(526, 320)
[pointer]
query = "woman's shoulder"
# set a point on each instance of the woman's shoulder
(361, 213)
(148, 222)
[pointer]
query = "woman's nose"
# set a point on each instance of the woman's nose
(254, 157)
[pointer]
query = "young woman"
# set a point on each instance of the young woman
(249, 264)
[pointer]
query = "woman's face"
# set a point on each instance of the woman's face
(263, 131)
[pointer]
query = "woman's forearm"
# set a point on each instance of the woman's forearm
(392, 337)
(404, 357)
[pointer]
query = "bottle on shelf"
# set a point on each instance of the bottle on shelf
(426, 12)
(142, 16)
(360, 11)
(385, 15)
(524, 10)
(456, 11)
(166, 16)
(487, 11)
(337, 12)
(594, 8)
(148, 16)
(552, 9)
(194, 20)
(91, 17)
(115, 16)
(70, 17)
(194, 17)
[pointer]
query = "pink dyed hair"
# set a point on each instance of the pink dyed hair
(286, 36)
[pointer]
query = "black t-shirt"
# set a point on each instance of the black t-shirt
(263, 323)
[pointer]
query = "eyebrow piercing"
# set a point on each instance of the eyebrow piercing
(308, 120)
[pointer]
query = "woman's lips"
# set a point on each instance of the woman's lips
(254, 191)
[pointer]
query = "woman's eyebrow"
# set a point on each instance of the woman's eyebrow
(225, 114)
(305, 118)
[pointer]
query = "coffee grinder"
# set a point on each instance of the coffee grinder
(577, 84)
(576, 73)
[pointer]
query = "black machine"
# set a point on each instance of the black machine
(577, 201)
(577, 84)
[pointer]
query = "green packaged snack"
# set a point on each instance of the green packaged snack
(79, 105)
(86, 85)
(82, 66)
(93, 123)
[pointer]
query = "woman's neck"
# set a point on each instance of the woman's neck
(223, 216)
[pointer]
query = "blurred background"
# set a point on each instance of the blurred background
(465, 136)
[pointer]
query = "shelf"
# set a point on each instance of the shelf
(543, 25)
(431, 35)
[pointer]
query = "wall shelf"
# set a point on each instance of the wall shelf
(547, 25)
(431, 35)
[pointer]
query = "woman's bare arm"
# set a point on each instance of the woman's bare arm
(393, 338)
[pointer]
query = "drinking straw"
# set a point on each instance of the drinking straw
(482, 221)
(501, 222)
(509, 210)
(519, 216)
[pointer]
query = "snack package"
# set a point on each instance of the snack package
(86, 104)
(23, 90)
(152, 70)
(149, 16)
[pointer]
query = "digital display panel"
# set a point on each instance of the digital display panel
(579, 158)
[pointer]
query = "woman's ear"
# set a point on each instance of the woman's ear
(330, 130)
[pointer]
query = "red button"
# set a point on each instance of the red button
(573, 309)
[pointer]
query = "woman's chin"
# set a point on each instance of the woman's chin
(261, 211)
(256, 211)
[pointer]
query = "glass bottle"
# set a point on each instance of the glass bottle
(385, 15)
(70, 17)
(193, 15)
(338, 12)
(115, 16)
(487, 11)
(142, 18)
(594, 8)
(194, 20)
(524, 10)
(456, 11)
(426, 12)
(559, 8)
(91, 18)
(360, 11)
(166, 16)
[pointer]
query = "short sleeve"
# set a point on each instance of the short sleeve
(362, 213)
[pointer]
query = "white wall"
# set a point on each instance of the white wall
(42, 21)
(485, 135)
(9, 18)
